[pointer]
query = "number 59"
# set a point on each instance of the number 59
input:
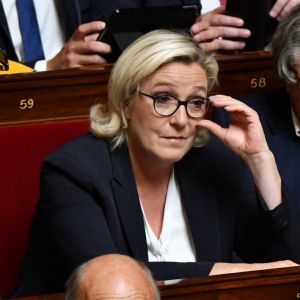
(24, 104)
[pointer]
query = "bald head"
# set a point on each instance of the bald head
(112, 276)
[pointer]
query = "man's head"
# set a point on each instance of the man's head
(286, 47)
(111, 276)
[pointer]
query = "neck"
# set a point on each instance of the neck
(152, 179)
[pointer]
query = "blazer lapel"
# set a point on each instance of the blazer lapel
(5, 38)
(199, 199)
(127, 200)
(69, 14)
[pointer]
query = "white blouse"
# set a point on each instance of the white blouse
(175, 242)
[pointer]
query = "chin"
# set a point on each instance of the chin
(173, 157)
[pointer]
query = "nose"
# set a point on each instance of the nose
(180, 117)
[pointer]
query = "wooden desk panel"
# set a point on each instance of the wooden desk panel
(277, 284)
(66, 94)
(247, 72)
(52, 95)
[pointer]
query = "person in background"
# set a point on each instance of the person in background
(149, 182)
(279, 110)
(111, 276)
(69, 28)
(215, 31)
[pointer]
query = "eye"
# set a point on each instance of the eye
(163, 98)
(197, 103)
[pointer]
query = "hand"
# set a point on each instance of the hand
(215, 31)
(244, 135)
(226, 268)
(282, 7)
(82, 48)
(246, 138)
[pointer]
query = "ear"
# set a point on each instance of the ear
(127, 109)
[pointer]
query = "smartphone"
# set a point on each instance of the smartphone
(127, 24)
(255, 14)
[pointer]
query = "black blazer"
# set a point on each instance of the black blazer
(89, 206)
(274, 109)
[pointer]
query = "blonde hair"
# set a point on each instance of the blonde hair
(141, 59)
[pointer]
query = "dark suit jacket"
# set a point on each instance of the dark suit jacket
(274, 109)
(89, 206)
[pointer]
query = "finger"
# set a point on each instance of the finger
(233, 32)
(89, 47)
(225, 20)
(277, 8)
(210, 47)
(227, 33)
(287, 8)
(207, 35)
(222, 44)
(223, 100)
(87, 29)
(199, 26)
(91, 37)
(232, 105)
(213, 128)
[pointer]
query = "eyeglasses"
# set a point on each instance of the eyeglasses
(166, 105)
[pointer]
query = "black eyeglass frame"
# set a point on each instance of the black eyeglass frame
(179, 103)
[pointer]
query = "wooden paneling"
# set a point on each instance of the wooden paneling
(277, 284)
(65, 94)
(246, 72)
(56, 95)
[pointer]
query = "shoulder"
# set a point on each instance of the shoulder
(87, 152)
(268, 101)
(270, 105)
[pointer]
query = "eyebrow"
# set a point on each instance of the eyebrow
(172, 85)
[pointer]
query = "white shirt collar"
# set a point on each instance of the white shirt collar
(175, 242)
(296, 124)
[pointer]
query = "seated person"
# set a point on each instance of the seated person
(74, 43)
(279, 111)
(215, 31)
(149, 182)
(111, 276)
(68, 30)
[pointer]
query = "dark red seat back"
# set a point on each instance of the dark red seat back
(22, 150)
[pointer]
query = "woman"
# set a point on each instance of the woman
(144, 184)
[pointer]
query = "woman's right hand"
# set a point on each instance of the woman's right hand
(227, 268)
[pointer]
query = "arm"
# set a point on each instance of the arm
(275, 235)
(82, 48)
(246, 138)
